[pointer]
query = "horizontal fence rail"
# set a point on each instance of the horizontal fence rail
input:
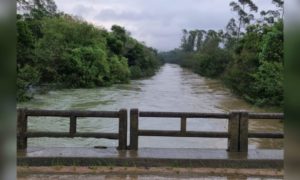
(74, 113)
(267, 116)
(237, 133)
(69, 135)
(23, 134)
(183, 114)
(181, 134)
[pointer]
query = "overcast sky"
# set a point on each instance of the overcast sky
(158, 23)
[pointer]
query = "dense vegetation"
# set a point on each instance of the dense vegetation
(247, 56)
(56, 48)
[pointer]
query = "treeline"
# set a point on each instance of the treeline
(247, 56)
(57, 48)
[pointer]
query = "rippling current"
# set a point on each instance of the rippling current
(171, 89)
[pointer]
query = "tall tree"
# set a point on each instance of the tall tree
(211, 41)
(192, 40)
(270, 16)
(230, 35)
(200, 37)
(37, 7)
(244, 17)
(184, 41)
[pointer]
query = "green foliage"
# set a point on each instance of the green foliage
(67, 51)
(119, 70)
(26, 78)
(136, 72)
(268, 84)
(143, 60)
(25, 44)
(174, 56)
(211, 65)
(207, 58)
(250, 63)
(272, 44)
(257, 70)
(245, 62)
(83, 67)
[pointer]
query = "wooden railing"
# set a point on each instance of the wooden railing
(23, 134)
(237, 133)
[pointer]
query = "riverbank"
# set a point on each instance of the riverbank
(172, 89)
(234, 89)
(95, 58)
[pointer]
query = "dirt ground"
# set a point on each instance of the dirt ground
(143, 173)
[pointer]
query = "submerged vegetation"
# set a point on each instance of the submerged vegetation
(247, 56)
(57, 48)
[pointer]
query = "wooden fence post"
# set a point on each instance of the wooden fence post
(183, 125)
(122, 129)
(22, 129)
(73, 125)
(233, 131)
(243, 139)
(134, 125)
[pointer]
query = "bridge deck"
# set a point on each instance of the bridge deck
(254, 158)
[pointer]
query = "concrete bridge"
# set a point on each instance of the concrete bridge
(237, 155)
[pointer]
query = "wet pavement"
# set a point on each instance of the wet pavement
(164, 153)
(140, 173)
(139, 177)
(255, 158)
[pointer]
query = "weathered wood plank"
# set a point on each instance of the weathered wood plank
(22, 129)
(77, 113)
(180, 134)
(183, 114)
(243, 135)
(233, 132)
(122, 129)
(72, 125)
(68, 135)
(134, 125)
(265, 135)
(266, 116)
(183, 125)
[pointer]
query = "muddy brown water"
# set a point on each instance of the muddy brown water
(172, 89)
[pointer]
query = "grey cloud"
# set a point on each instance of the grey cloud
(83, 10)
(113, 15)
(110, 15)
(157, 22)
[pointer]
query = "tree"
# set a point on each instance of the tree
(117, 39)
(271, 16)
(200, 37)
(46, 7)
(60, 49)
(184, 40)
(230, 35)
(119, 69)
(192, 40)
(211, 41)
(244, 17)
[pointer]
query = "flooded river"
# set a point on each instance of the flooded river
(171, 89)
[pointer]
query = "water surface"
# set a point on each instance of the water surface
(171, 89)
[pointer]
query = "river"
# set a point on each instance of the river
(171, 89)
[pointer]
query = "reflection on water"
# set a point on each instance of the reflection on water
(171, 89)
